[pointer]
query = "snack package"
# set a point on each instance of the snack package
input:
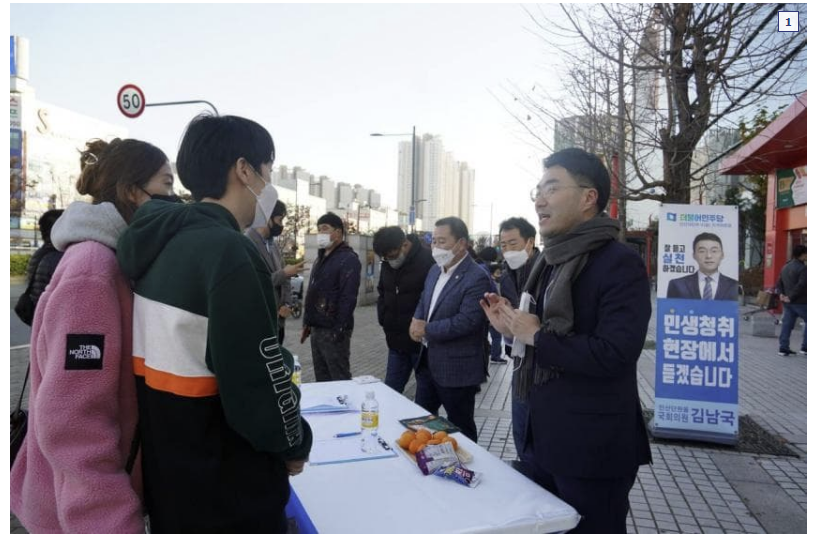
(433, 457)
(460, 474)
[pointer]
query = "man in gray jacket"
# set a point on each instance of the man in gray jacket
(264, 239)
(792, 287)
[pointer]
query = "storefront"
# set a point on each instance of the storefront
(45, 141)
(780, 151)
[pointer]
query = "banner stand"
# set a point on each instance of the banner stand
(687, 434)
(697, 338)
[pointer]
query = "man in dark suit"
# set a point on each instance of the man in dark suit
(584, 334)
(707, 282)
(451, 326)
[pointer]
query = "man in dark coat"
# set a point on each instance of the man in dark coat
(330, 301)
(517, 242)
(584, 334)
(792, 287)
(402, 276)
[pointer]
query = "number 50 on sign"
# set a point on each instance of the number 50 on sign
(131, 100)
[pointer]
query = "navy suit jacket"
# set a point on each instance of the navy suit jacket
(456, 329)
(688, 287)
(588, 422)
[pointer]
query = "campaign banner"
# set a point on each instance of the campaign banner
(697, 349)
(697, 374)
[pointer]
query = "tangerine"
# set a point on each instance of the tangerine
(414, 446)
(424, 435)
(406, 439)
(441, 435)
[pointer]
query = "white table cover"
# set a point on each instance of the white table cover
(392, 496)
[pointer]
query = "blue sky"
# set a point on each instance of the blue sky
(319, 77)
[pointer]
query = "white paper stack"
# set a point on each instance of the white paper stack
(332, 404)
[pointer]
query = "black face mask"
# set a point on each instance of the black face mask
(175, 199)
(275, 230)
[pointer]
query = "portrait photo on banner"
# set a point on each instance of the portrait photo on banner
(698, 256)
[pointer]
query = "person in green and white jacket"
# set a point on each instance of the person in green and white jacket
(220, 419)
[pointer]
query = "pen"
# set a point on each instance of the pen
(345, 434)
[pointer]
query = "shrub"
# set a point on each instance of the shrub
(19, 263)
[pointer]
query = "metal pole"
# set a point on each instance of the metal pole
(413, 178)
(168, 103)
(491, 224)
(297, 215)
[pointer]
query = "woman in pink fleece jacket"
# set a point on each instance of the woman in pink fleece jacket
(70, 475)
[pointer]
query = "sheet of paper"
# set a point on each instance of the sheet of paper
(325, 404)
(348, 449)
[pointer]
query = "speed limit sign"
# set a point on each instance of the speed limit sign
(131, 100)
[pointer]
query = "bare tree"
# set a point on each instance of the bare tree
(682, 68)
(297, 222)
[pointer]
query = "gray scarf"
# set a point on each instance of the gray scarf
(567, 254)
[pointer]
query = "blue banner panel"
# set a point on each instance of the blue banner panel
(697, 371)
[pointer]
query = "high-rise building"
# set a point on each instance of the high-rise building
(327, 190)
(467, 191)
(444, 186)
(361, 194)
(405, 196)
(709, 186)
(345, 195)
(374, 199)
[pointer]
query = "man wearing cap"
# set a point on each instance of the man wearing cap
(330, 301)
(263, 238)
(584, 332)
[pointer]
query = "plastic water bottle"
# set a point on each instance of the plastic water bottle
(370, 422)
(296, 371)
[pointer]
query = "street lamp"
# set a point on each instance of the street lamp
(412, 134)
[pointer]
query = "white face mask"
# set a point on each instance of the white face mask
(397, 263)
(266, 201)
(443, 257)
(323, 241)
(516, 259)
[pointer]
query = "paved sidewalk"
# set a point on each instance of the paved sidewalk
(686, 489)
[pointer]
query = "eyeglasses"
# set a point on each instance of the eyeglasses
(549, 190)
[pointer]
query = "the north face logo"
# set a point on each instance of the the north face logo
(84, 352)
